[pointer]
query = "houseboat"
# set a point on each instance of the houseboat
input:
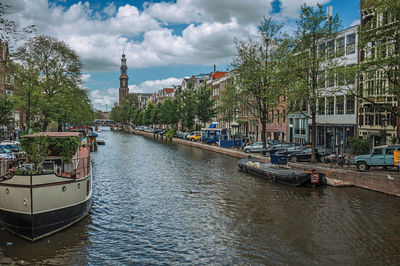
(38, 201)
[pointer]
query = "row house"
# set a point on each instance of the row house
(336, 111)
(161, 95)
(143, 99)
(378, 96)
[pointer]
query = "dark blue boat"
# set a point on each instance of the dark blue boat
(281, 173)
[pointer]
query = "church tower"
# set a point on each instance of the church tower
(123, 80)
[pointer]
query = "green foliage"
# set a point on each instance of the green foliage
(186, 106)
(37, 149)
(230, 102)
(204, 104)
(261, 71)
(359, 145)
(50, 74)
(170, 132)
(7, 104)
(65, 147)
(310, 62)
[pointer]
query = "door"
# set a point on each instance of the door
(389, 157)
(377, 157)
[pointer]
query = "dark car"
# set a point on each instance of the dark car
(278, 147)
(305, 155)
(291, 150)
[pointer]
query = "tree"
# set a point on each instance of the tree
(258, 71)
(186, 106)
(204, 104)
(28, 92)
(9, 30)
(6, 109)
(116, 114)
(147, 117)
(129, 104)
(311, 61)
(230, 102)
(59, 70)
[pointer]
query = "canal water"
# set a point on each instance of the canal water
(162, 203)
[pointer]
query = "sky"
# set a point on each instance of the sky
(164, 41)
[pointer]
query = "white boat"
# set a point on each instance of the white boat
(34, 206)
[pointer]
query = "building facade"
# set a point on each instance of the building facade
(379, 97)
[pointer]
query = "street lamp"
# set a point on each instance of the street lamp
(383, 122)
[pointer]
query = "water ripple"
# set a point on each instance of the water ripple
(161, 203)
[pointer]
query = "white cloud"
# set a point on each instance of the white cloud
(103, 99)
(85, 77)
(355, 22)
(148, 36)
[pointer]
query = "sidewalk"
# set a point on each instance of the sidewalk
(385, 181)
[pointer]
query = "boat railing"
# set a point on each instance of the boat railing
(77, 168)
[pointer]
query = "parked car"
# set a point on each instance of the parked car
(291, 150)
(182, 135)
(305, 155)
(278, 147)
(380, 156)
(195, 136)
(255, 147)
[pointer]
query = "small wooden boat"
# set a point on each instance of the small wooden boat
(101, 142)
(281, 174)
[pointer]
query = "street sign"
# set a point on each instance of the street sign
(396, 158)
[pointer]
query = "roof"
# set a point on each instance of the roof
(169, 90)
(54, 134)
(218, 75)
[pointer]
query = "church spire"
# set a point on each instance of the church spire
(123, 79)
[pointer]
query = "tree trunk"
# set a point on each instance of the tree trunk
(313, 133)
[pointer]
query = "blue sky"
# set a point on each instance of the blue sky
(163, 41)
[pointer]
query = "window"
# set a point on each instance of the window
(339, 105)
(321, 50)
(277, 117)
(330, 105)
(350, 105)
(377, 152)
(331, 78)
(340, 47)
(351, 44)
(321, 106)
(321, 80)
(340, 76)
(330, 49)
(389, 151)
(360, 120)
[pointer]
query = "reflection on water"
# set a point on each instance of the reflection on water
(165, 203)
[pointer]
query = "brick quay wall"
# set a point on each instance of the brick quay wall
(387, 182)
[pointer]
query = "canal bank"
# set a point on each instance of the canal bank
(387, 182)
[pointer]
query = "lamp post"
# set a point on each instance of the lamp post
(383, 121)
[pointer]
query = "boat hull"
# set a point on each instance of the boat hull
(285, 176)
(34, 207)
(36, 226)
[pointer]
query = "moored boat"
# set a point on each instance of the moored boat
(35, 203)
(281, 174)
(101, 142)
